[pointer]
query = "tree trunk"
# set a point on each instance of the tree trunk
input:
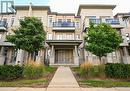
(29, 57)
(100, 59)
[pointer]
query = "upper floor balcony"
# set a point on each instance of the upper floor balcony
(3, 25)
(113, 22)
(69, 26)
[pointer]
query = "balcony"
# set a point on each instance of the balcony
(64, 26)
(95, 21)
(113, 21)
(3, 25)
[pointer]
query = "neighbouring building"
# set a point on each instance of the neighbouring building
(64, 43)
(124, 18)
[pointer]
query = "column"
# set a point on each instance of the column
(76, 58)
(38, 57)
(126, 55)
(9, 56)
(2, 57)
(20, 56)
(52, 60)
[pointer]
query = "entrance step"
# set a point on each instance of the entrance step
(66, 65)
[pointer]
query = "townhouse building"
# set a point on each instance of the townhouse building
(65, 32)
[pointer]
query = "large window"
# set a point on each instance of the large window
(92, 17)
(69, 20)
(77, 37)
(77, 24)
(50, 21)
(49, 37)
(127, 36)
(64, 36)
(59, 20)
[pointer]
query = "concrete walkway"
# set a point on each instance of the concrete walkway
(63, 80)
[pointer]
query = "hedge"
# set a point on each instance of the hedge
(10, 72)
(117, 70)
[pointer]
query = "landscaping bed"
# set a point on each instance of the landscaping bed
(97, 76)
(26, 81)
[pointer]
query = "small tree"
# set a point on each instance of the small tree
(102, 39)
(30, 36)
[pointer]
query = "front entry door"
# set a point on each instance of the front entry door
(64, 56)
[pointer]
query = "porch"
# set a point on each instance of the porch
(63, 53)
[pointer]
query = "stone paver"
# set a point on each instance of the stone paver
(63, 78)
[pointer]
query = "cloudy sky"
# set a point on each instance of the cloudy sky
(71, 6)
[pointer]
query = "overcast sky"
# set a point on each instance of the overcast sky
(71, 6)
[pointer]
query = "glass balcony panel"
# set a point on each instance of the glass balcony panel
(95, 21)
(63, 24)
(113, 21)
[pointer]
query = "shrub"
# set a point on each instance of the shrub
(89, 70)
(86, 69)
(117, 70)
(33, 70)
(10, 72)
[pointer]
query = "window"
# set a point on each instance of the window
(50, 21)
(59, 37)
(77, 37)
(105, 17)
(0, 36)
(49, 37)
(92, 17)
(12, 20)
(127, 36)
(40, 18)
(59, 20)
(21, 18)
(77, 25)
(69, 20)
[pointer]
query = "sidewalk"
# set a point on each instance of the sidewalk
(63, 80)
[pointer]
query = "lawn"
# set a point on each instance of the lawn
(40, 82)
(97, 82)
(104, 83)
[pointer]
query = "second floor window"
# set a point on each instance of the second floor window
(127, 36)
(0, 36)
(59, 20)
(92, 17)
(50, 21)
(49, 37)
(12, 20)
(69, 20)
(77, 37)
(77, 25)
